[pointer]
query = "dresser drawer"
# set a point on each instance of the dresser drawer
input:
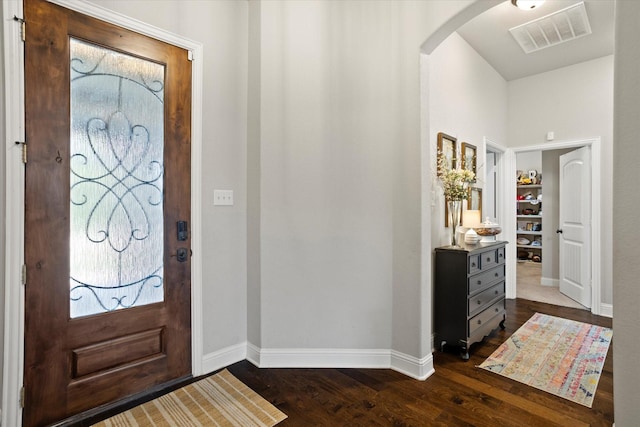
(481, 280)
(484, 317)
(480, 301)
(474, 264)
(489, 259)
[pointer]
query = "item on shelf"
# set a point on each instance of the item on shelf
(536, 242)
(537, 226)
(523, 241)
(488, 230)
(523, 255)
(528, 211)
(536, 258)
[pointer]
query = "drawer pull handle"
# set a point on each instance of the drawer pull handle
(497, 309)
(501, 255)
(496, 274)
(479, 302)
(473, 264)
(479, 282)
(496, 291)
(488, 259)
(479, 322)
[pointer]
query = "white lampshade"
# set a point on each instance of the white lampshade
(527, 4)
(470, 218)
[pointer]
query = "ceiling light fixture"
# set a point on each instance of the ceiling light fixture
(527, 4)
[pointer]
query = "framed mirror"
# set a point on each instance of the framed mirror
(447, 148)
(468, 154)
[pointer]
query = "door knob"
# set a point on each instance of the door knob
(559, 231)
(182, 254)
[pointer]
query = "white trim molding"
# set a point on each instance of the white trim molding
(550, 282)
(13, 357)
(14, 227)
(224, 357)
(606, 310)
(411, 366)
(596, 218)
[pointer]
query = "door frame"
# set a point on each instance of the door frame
(503, 207)
(596, 217)
(13, 360)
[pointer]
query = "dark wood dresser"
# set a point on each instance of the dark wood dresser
(469, 293)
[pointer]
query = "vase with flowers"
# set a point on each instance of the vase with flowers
(455, 184)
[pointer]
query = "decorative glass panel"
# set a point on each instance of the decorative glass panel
(116, 213)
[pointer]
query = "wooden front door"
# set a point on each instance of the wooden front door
(108, 309)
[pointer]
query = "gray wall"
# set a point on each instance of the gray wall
(340, 174)
(468, 100)
(626, 268)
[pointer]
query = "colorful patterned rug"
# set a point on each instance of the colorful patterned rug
(559, 356)
(219, 400)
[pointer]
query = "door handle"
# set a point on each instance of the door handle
(559, 231)
(182, 254)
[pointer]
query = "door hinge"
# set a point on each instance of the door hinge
(190, 55)
(22, 397)
(24, 150)
(24, 274)
(23, 27)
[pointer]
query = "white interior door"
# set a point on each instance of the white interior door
(575, 225)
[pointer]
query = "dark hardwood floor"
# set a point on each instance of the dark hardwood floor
(457, 394)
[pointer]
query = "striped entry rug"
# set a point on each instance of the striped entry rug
(559, 356)
(218, 400)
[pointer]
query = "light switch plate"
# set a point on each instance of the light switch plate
(223, 197)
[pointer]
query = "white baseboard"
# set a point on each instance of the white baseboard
(606, 310)
(408, 365)
(323, 358)
(547, 281)
(253, 354)
(411, 366)
(420, 369)
(227, 356)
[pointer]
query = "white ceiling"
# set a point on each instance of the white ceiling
(489, 35)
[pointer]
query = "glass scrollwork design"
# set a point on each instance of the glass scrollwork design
(116, 180)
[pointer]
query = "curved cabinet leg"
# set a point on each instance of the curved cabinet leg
(442, 344)
(502, 323)
(465, 354)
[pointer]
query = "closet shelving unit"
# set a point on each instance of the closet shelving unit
(526, 222)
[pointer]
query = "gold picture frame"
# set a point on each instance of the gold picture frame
(468, 155)
(447, 148)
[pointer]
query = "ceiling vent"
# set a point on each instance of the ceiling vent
(559, 27)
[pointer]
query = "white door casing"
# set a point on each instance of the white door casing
(575, 220)
(595, 181)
